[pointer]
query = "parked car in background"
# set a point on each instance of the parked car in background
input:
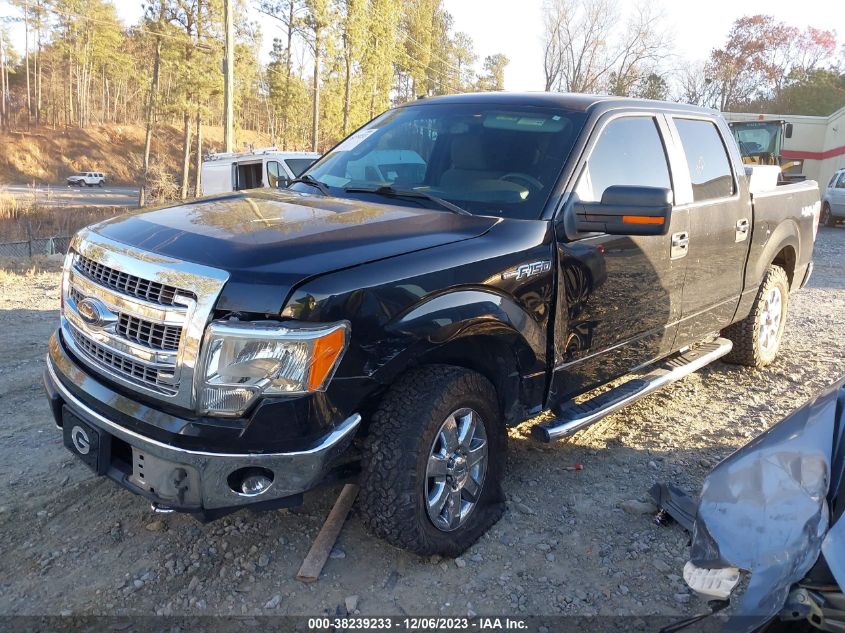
(833, 200)
(267, 167)
(87, 179)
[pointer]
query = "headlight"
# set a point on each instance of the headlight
(243, 360)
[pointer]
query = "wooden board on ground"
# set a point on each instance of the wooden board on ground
(322, 547)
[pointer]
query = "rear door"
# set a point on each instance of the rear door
(720, 224)
(619, 297)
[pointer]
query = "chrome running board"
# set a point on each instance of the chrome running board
(574, 417)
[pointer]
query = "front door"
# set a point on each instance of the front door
(618, 297)
(837, 195)
(720, 224)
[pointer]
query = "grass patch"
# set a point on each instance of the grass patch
(13, 268)
(42, 221)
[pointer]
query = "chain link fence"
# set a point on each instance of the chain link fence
(36, 246)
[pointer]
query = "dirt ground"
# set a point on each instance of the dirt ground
(45, 154)
(73, 543)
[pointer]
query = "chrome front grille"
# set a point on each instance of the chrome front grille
(136, 317)
(149, 333)
(153, 335)
(122, 364)
(126, 283)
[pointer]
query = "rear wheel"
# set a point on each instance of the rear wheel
(433, 462)
(757, 337)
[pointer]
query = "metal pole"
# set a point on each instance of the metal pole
(229, 79)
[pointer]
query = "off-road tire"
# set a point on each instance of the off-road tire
(744, 334)
(396, 450)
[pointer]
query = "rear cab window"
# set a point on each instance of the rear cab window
(707, 158)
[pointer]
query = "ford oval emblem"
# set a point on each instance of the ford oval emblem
(95, 313)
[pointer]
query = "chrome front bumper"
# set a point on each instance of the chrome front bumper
(202, 478)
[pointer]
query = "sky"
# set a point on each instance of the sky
(514, 27)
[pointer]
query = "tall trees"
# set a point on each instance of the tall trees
(85, 47)
(280, 79)
(762, 58)
(586, 50)
(493, 76)
(334, 65)
(155, 16)
(316, 20)
(354, 38)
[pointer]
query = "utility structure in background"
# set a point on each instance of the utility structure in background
(229, 78)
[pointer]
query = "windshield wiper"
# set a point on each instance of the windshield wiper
(310, 180)
(387, 190)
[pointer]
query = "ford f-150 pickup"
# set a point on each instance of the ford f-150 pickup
(457, 265)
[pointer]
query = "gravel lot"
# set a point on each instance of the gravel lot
(568, 544)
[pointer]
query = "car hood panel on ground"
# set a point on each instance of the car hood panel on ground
(765, 509)
(269, 242)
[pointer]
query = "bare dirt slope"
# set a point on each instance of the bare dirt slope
(70, 542)
(50, 155)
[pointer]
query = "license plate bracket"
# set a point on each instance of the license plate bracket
(85, 441)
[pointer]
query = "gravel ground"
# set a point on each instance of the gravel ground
(570, 542)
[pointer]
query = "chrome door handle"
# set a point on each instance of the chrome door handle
(680, 245)
(742, 228)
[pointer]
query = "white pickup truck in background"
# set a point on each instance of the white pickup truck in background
(266, 167)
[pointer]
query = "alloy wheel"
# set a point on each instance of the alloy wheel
(457, 465)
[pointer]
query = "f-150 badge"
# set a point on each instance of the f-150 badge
(524, 271)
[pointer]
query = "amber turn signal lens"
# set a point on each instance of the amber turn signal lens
(326, 351)
(641, 219)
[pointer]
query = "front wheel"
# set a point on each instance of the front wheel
(758, 336)
(826, 217)
(433, 462)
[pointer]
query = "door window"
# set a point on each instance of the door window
(707, 159)
(628, 152)
(274, 173)
(841, 183)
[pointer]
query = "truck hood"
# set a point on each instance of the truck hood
(271, 241)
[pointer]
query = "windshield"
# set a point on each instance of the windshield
(757, 138)
(489, 160)
(298, 165)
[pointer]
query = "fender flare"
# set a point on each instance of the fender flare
(440, 320)
(784, 235)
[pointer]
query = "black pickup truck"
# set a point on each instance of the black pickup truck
(457, 265)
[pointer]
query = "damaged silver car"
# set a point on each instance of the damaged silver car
(767, 535)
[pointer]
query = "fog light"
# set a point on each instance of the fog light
(255, 484)
(251, 482)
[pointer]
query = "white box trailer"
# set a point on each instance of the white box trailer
(267, 167)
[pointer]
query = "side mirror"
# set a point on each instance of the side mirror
(283, 182)
(787, 132)
(627, 210)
